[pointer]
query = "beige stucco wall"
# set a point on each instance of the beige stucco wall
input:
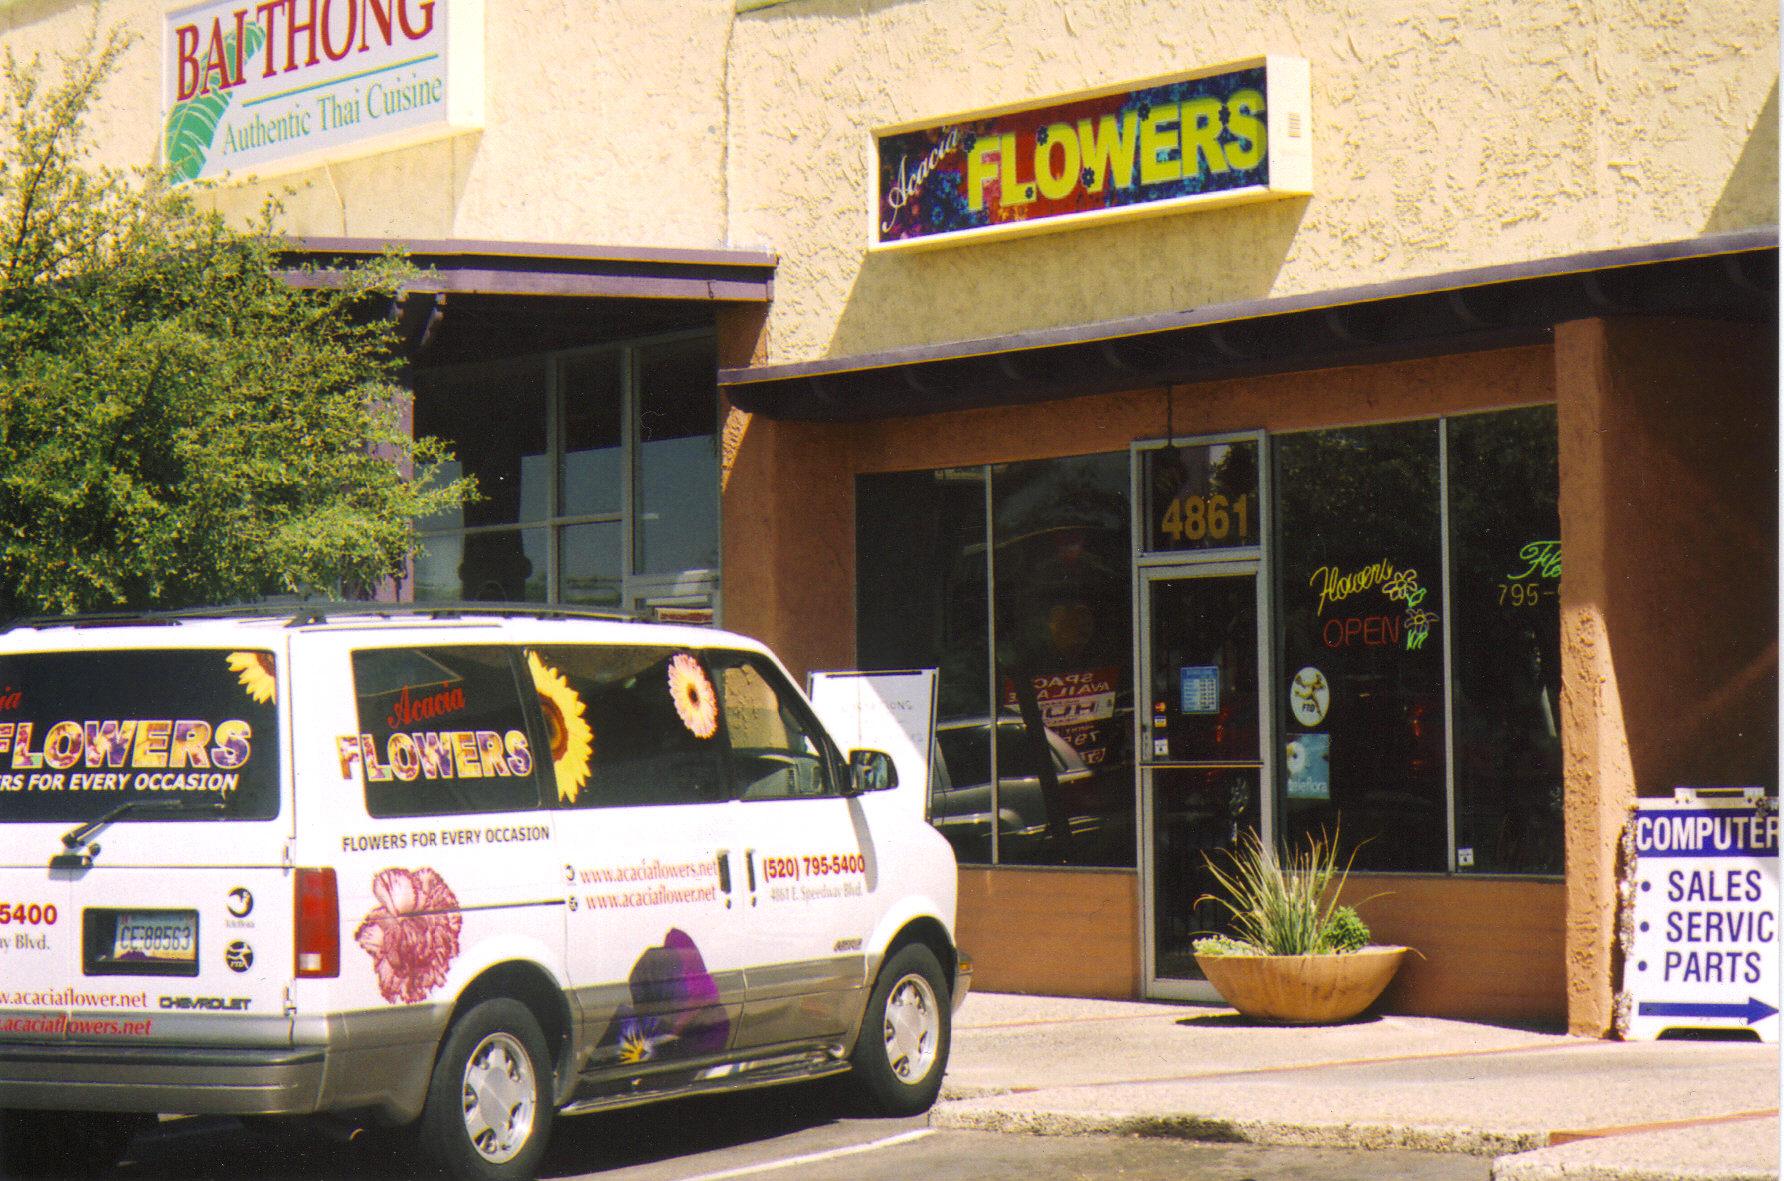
(604, 125)
(1445, 137)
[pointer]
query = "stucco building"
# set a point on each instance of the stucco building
(1212, 394)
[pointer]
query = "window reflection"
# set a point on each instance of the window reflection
(593, 470)
(677, 458)
(921, 601)
(493, 417)
(611, 452)
(1056, 721)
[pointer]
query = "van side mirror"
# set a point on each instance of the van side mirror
(871, 770)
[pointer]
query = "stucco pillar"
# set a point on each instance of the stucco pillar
(1668, 446)
(788, 518)
(1599, 780)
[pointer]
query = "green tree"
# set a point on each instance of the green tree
(181, 424)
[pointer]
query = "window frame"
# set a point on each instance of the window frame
(636, 590)
(789, 699)
(1447, 625)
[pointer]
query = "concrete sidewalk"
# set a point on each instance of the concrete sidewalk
(1545, 1106)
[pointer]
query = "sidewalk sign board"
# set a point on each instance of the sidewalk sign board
(887, 711)
(1701, 914)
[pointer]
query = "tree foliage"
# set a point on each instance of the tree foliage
(180, 423)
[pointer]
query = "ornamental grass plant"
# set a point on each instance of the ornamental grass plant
(1284, 906)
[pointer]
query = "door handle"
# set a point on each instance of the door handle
(725, 870)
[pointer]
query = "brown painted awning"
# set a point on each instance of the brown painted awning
(454, 267)
(475, 300)
(1725, 276)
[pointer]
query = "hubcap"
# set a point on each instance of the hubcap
(913, 1028)
(499, 1097)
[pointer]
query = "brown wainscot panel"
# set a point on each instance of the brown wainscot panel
(1490, 949)
(1052, 932)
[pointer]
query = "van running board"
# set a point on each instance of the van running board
(743, 1076)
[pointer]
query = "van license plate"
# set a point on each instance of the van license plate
(160, 936)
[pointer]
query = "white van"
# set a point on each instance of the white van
(456, 869)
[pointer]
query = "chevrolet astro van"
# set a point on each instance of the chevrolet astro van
(455, 870)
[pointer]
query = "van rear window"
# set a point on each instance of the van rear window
(82, 732)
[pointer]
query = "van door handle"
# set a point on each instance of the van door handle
(749, 859)
(725, 870)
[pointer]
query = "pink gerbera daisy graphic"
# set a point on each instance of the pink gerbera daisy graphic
(693, 696)
(412, 934)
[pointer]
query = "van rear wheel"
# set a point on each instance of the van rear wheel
(490, 1102)
(901, 1052)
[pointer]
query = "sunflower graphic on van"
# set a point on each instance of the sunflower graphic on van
(572, 741)
(255, 672)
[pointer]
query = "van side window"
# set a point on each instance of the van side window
(629, 725)
(777, 751)
(444, 731)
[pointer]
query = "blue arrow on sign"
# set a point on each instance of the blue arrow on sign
(1751, 1010)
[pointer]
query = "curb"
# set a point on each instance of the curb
(1213, 1130)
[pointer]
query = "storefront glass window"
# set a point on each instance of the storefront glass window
(593, 468)
(597, 472)
(1505, 600)
(921, 601)
(1359, 595)
(678, 486)
(1053, 730)
(1062, 572)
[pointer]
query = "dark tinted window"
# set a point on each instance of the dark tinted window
(1505, 549)
(442, 730)
(677, 472)
(630, 725)
(922, 588)
(1359, 592)
(82, 732)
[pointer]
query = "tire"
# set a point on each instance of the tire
(901, 1052)
(491, 1098)
(64, 1143)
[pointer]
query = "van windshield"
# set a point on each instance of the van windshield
(83, 732)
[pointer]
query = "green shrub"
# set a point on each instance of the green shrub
(1283, 908)
(1347, 931)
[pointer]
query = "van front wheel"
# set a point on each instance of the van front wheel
(489, 1105)
(902, 1049)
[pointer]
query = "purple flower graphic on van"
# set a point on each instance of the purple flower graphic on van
(675, 1010)
(412, 934)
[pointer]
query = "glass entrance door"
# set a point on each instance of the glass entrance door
(1203, 751)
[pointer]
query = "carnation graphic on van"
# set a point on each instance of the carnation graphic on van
(412, 934)
(572, 742)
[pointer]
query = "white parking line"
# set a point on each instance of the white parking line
(814, 1157)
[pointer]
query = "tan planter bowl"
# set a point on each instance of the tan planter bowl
(1302, 989)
